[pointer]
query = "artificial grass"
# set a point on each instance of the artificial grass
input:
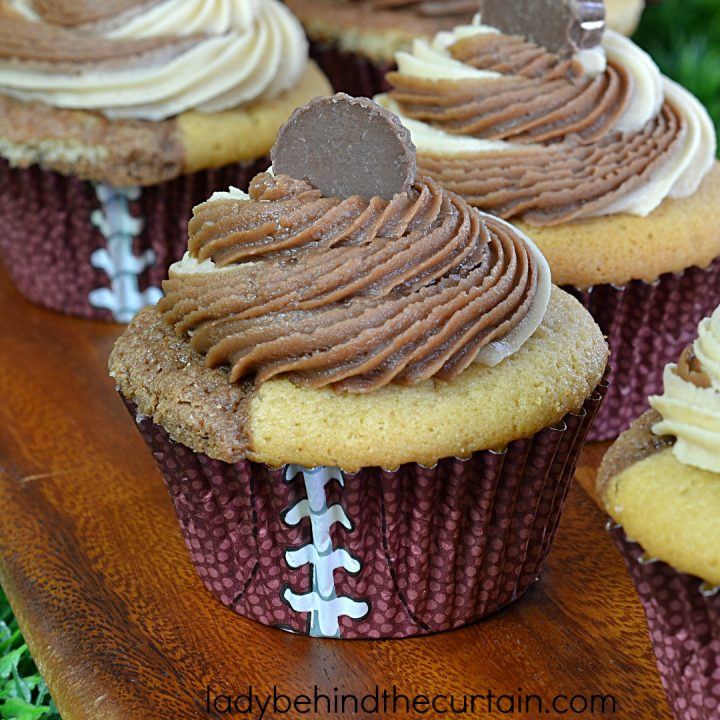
(23, 693)
(683, 37)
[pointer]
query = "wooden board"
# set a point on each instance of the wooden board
(122, 628)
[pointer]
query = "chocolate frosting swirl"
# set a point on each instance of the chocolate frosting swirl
(204, 55)
(566, 153)
(564, 181)
(690, 369)
(351, 293)
(540, 97)
(57, 48)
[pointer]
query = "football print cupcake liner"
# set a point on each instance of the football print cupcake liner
(95, 250)
(377, 553)
(647, 326)
(683, 615)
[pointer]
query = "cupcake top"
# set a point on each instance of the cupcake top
(552, 120)
(690, 403)
(429, 8)
(377, 29)
(136, 92)
(661, 479)
(344, 303)
(149, 59)
(358, 286)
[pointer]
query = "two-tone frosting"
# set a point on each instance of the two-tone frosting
(149, 59)
(525, 133)
(350, 292)
(690, 403)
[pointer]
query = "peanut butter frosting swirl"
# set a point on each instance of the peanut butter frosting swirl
(149, 59)
(690, 403)
(524, 133)
(353, 293)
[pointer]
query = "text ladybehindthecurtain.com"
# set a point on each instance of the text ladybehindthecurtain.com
(384, 702)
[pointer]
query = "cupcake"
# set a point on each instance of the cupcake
(366, 398)
(660, 482)
(574, 135)
(116, 119)
(355, 41)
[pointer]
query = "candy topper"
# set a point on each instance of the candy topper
(346, 146)
(561, 26)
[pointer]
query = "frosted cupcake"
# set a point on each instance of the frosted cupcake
(365, 397)
(355, 41)
(660, 481)
(573, 134)
(116, 118)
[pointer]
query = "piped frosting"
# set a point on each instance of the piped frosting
(690, 403)
(353, 293)
(149, 60)
(523, 133)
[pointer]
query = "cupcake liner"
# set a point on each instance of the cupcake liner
(351, 73)
(684, 619)
(376, 553)
(95, 250)
(647, 326)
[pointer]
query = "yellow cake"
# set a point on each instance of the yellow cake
(215, 90)
(661, 479)
(278, 422)
(608, 164)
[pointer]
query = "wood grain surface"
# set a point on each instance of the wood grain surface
(122, 628)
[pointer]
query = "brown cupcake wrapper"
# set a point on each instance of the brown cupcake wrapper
(647, 326)
(376, 553)
(351, 73)
(683, 615)
(94, 250)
